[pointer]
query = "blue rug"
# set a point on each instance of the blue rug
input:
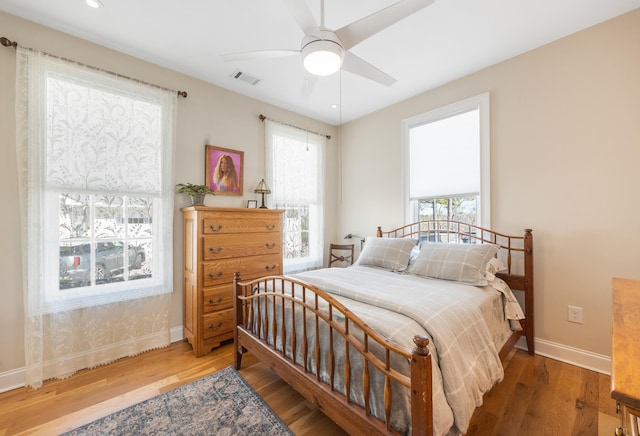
(222, 403)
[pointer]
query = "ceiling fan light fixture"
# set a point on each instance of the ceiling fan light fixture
(322, 57)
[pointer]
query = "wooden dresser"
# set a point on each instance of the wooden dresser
(625, 353)
(217, 243)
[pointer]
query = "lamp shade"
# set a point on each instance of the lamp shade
(322, 57)
(262, 188)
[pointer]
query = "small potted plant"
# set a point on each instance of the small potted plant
(196, 192)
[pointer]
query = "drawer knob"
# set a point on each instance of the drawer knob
(214, 228)
(270, 268)
(214, 302)
(214, 250)
(270, 226)
(270, 245)
(213, 276)
(214, 327)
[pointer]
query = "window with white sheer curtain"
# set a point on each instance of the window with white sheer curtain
(96, 174)
(295, 172)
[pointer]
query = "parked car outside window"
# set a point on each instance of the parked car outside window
(76, 263)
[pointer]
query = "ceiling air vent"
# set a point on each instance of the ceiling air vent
(244, 77)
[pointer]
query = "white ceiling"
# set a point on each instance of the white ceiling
(442, 42)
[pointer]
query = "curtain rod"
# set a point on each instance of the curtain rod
(8, 43)
(263, 117)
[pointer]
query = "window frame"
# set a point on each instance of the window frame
(53, 298)
(59, 299)
(480, 102)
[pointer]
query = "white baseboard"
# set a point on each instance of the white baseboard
(10, 380)
(14, 379)
(574, 356)
(176, 334)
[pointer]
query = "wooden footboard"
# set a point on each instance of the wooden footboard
(258, 315)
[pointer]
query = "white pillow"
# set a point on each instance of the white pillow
(464, 263)
(493, 266)
(388, 253)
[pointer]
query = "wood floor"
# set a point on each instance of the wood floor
(538, 396)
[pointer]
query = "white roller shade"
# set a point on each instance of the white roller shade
(444, 157)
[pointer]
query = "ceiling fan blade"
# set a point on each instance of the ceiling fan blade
(303, 16)
(356, 32)
(258, 55)
(359, 66)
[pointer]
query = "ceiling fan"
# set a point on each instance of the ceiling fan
(325, 51)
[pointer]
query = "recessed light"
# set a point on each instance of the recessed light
(93, 3)
(334, 106)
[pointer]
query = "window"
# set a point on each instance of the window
(294, 166)
(96, 178)
(463, 209)
(92, 250)
(447, 157)
(106, 177)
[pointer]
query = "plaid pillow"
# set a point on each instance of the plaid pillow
(464, 263)
(388, 253)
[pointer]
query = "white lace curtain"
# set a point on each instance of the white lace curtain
(90, 133)
(295, 173)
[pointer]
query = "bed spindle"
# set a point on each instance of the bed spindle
(294, 333)
(388, 399)
(305, 342)
(274, 324)
(259, 327)
(331, 354)
(283, 329)
(317, 342)
(366, 387)
(248, 309)
(347, 362)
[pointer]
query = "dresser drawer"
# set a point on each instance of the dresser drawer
(225, 246)
(219, 272)
(217, 223)
(217, 298)
(217, 323)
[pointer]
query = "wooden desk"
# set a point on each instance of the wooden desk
(625, 352)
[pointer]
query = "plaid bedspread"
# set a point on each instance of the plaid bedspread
(399, 306)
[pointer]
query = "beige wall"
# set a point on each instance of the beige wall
(210, 115)
(565, 154)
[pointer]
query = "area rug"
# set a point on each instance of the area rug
(222, 404)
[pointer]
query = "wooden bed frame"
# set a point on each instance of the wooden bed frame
(518, 251)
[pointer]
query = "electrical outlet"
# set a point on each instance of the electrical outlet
(575, 314)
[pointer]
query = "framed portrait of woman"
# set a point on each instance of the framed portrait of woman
(224, 169)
